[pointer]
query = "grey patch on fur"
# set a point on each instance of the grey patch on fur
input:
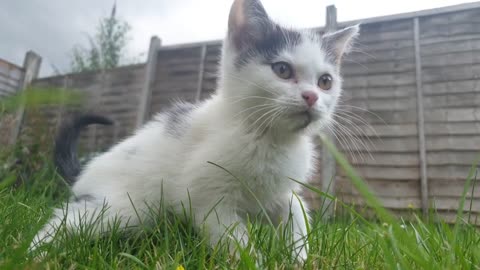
(175, 118)
(257, 36)
(84, 197)
(275, 40)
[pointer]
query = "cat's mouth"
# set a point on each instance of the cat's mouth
(307, 117)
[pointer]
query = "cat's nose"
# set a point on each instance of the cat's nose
(310, 97)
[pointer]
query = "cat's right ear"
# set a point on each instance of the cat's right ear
(340, 42)
(248, 22)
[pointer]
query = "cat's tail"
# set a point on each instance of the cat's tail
(65, 153)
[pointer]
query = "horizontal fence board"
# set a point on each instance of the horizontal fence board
(450, 46)
(7, 90)
(459, 58)
(448, 172)
(379, 92)
(387, 160)
(388, 202)
(451, 29)
(452, 188)
(360, 47)
(9, 80)
(439, 40)
(465, 142)
(386, 173)
(451, 73)
(459, 100)
(455, 128)
(452, 115)
(377, 130)
(360, 57)
(384, 80)
(471, 15)
(373, 37)
(451, 87)
(390, 145)
(353, 68)
(390, 117)
(390, 26)
(380, 187)
(10, 70)
(413, 203)
(381, 104)
(440, 158)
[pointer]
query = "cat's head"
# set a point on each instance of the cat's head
(279, 79)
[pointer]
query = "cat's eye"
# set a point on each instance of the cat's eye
(283, 70)
(325, 81)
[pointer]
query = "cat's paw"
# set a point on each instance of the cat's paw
(300, 255)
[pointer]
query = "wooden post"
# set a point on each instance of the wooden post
(420, 119)
(328, 161)
(96, 102)
(150, 70)
(31, 66)
(331, 19)
(201, 68)
(61, 109)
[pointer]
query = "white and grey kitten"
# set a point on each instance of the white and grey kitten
(277, 87)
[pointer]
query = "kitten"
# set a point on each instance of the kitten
(277, 87)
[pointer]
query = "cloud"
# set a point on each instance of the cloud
(51, 28)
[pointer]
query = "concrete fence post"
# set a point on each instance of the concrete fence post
(201, 70)
(31, 66)
(328, 161)
(150, 70)
(420, 119)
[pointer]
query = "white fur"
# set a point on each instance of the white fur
(261, 152)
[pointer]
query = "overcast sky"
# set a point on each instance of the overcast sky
(52, 27)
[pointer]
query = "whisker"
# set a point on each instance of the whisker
(353, 139)
(240, 98)
(267, 122)
(261, 117)
(360, 141)
(357, 128)
(339, 140)
(246, 119)
(364, 123)
(253, 107)
(364, 110)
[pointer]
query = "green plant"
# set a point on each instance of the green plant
(106, 47)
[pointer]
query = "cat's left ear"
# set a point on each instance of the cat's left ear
(248, 22)
(340, 42)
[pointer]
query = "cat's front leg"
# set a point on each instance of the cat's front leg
(295, 215)
(223, 223)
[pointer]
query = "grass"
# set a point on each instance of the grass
(346, 242)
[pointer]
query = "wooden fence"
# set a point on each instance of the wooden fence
(418, 73)
(10, 76)
(12, 80)
(413, 78)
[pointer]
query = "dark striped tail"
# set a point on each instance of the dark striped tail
(65, 153)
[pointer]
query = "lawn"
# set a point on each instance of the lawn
(347, 241)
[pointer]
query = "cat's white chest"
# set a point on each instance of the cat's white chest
(262, 168)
